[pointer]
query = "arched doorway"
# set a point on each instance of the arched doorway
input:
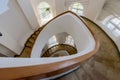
(45, 12)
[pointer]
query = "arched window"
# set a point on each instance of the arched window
(45, 12)
(77, 8)
(113, 24)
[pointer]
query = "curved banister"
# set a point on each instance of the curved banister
(47, 70)
(44, 70)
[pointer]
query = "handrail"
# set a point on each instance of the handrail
(47, 70)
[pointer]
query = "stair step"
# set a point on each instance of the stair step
(31, 40)
(26, 52)
(34, 36)
(40, 28)
(37, 32)
(28, 44)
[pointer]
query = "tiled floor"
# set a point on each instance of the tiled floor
(104, 65)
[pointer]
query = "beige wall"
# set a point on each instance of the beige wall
(94, 8)
(14, 27)
(27, 8)
(60, 6)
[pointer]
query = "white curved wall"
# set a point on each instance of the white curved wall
(27, 8)
(14, 27)
(65, 23)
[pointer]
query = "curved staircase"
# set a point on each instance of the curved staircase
(27, 68)
(50, 51)
(29, 44)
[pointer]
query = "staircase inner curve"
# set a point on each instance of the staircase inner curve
(85, 45)
(61, 44)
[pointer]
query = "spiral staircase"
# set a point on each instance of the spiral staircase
(26, 65)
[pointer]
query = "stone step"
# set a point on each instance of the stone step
(37, 33)
(31, 40)
(26, 52)
(40, 29)
(28, 44)
(33, 37)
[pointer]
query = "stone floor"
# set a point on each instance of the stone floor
(104, 65)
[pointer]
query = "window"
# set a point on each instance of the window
(45, 12)
(113, 24)
(77, 8)
(69, 40)
(52, 41)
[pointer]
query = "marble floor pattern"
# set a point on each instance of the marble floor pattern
(104, 65)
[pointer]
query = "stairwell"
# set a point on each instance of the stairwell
(29, 44)
(50, 51)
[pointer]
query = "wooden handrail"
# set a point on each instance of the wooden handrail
(47, 70)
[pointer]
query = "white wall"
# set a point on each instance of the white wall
(14, 27)
(113, 6)
(5, 51)
(60, 6)
(8, 42)
(28, 10)
(94, 8)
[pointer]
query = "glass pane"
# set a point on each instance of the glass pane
(116, 32)
(69, 40)
(119, 26)
(74, 10)
(44, 12)
(110, 26)
(115, 21)
(52, 41)
(80, 6)
(77, 8)
(43, 5)
(80, 12)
